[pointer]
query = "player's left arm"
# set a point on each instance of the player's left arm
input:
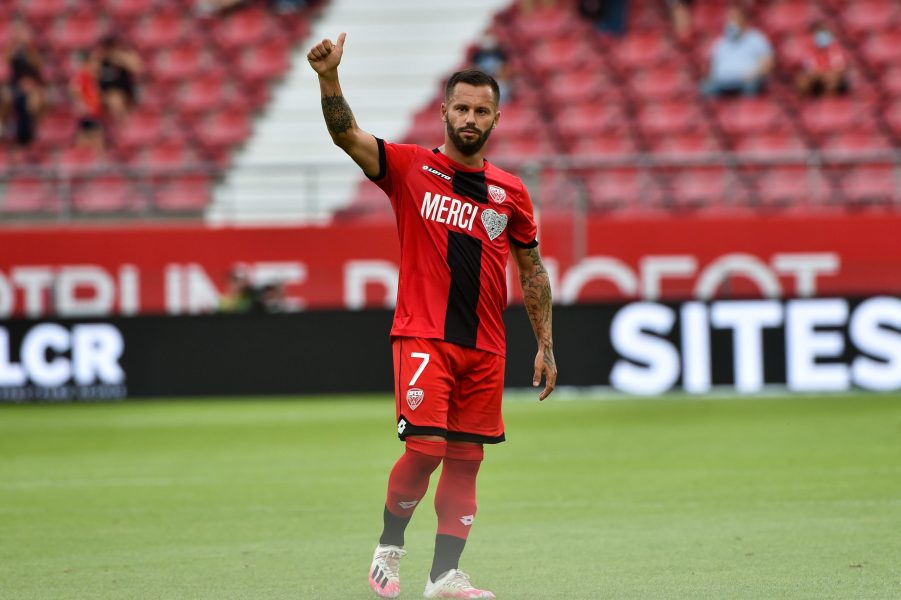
(536, 293)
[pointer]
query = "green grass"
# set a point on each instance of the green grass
(268, 499)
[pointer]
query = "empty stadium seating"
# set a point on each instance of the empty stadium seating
(637, 96)
(631, 104)
(203, 78)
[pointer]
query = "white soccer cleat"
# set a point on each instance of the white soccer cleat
(454, 584)
(384, 574)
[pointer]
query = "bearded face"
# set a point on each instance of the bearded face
(470, 115)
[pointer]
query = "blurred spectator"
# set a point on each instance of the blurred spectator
(85, 90)
(23, 98)
(680, 13)
(240, 296)
(608, 16)
(741, 59)
(824, 67)
(120, 67)
(491, 58)
(213, 7)
(270, 299)
(284, 7)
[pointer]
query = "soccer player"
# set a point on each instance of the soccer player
(458, 217)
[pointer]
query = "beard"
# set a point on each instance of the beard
(467, 147)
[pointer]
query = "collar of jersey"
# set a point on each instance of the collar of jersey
(457, 166)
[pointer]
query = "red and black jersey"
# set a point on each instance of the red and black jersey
(455, 225)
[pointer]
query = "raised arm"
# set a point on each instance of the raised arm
(536, 293)
(359, 145)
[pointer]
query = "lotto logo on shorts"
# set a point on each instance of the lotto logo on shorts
(414, 398)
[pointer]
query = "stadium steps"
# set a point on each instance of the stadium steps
(396, 55)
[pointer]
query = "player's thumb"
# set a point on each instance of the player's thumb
(341, 41)
(536, 378)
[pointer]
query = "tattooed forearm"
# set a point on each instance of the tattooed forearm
(536, 293)
(338, 116)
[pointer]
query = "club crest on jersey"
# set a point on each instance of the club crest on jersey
(437, 173)
(415, 397)
(498, 194)
(494, 223)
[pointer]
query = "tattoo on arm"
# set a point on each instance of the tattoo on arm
(338, 116)
(536, 292)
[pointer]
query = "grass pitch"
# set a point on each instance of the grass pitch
(269, 499)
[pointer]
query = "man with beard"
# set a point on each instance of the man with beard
(458, 217)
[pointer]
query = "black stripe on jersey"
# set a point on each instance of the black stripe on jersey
(383, 161)
(516, 242)
(471, 185)
(464, 257)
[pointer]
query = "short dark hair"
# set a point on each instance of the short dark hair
(472, 77)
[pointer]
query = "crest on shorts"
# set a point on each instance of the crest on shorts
(498, 194)
(414, 398)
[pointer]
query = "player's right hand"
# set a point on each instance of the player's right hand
(326, 56)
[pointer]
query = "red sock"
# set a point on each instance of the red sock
(409, 478)
(455, 498)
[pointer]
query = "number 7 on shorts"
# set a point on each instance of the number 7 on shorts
(424, 356)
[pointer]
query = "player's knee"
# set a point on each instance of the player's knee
(431, 446)
(465, 451)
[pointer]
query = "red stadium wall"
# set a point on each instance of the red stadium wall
(181, 269)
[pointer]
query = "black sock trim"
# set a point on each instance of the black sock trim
(393, 531)
(448, 549)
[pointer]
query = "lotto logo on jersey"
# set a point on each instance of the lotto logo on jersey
(498, 194)
(415, 397)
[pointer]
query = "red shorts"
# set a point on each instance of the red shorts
(448, 390)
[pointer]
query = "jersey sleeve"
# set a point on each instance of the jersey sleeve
(394, 163)
(523, 229)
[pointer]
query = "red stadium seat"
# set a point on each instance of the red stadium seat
(862, 16)
(702, 186)
(517, 119)
(57, 128)
(664, 82)
(787, 186)
(591, 118)
(201, 95)
(160, 30)
(223, 130)
(186, 60)
(106, 194)
(243, 28)
(548, 22)
(624, 188)
(184, 194)
(264, 61)
(856, 142)
(872, 184)
(708, 17)
(893, 117)
(770, 143)
(78, 31)
(168, 155)
(666, 118)
(687, 144)
(641, 49)
(832, 115)
(789, 16)
(28, 195)
(581, 85)
(564, 53)
(42, 10)
(143, 127)
(883, 49)
(80, 160)
(891, 81)
(604, 145)
(126, 10)
(750, 115)
(517, 148)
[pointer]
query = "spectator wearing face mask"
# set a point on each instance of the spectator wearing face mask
(824, 67)
(741, 59)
